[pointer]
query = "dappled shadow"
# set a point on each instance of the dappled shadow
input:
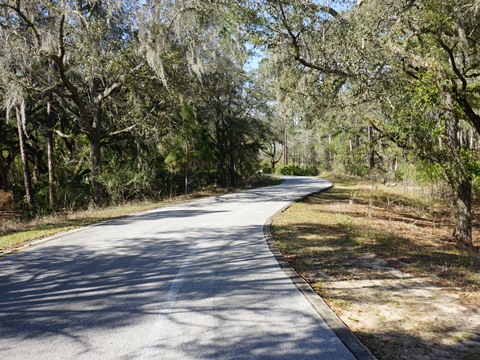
(343, 240)
(359, 269)
(60, 288)
(342, 237)
(378, 210)
(164, 213)
(403, 218)
(395, 206)
(192, 207)
(73, 300)
(386, 277)
(401, 345)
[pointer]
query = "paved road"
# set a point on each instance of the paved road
(191, 281)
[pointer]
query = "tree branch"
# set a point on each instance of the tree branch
(25, 18)
(74, 93)
(64, 104)
(63, 135)
(180, 12)
(329, 10)
(107, 92)
(296, 47)
(118, 132)
(468, 110)
(451, 57)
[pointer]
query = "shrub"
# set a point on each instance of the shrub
(295, 170)
(267, 168)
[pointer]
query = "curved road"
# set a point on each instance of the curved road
(190, 281)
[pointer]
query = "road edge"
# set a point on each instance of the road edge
(345, 335)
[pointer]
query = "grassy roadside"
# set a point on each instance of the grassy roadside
(383, 259)
(15, 233)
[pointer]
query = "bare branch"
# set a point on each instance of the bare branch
(296, 47)
(122, 131)
(63, 135)
(60, 62)
(107, 92)
(25, 18)
(329, 10)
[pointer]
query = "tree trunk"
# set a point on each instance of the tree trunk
(95, 160)
(232, 168)
(329, 154)
(95, 139)
(186, 167)
(230, 161)
(26, 171)
(221, 149)
(273, 163)
(463, 229)
(50, 146)
(371, 150)
(5, 164)
(285, 147)
(459, 179)
(3, 177)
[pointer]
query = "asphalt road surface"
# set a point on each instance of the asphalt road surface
(190, 281)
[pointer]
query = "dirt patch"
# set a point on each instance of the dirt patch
(393, 276)
(404, 316)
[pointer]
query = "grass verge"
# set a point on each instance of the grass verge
(383, 259)
(15, 233)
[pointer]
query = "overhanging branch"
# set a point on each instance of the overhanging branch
(297, 48)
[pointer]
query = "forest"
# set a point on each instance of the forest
(109, 101)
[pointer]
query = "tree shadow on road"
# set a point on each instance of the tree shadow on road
(67, 296)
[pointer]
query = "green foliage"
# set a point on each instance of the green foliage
(72, 192)
(125, 183)
(295, 170)
(473, 167)
(266, 168)
(473, 163)
(428, 172)
(405, 68)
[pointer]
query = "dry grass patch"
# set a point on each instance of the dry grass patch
(384, 260)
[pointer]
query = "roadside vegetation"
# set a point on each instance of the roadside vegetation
(384, 260)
